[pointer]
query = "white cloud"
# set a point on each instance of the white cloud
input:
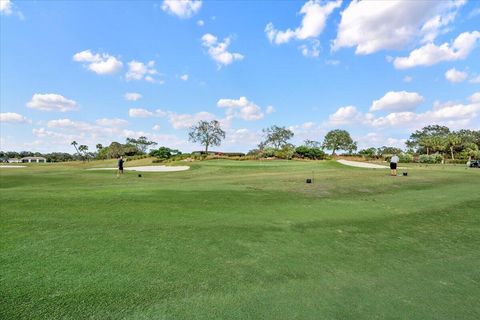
(377, 139)
(314, 18)
(12, 117)
(475, 79)
(139, 70)
(182, 8)
(182, 121)
(345, 115)
(270, 110)
(241, 108)
(431, 54)
(6, 7)
(371, 26)
(407, 79)
(311, 51)
(132, 96)
(144, 113)
(200, 23)
(115, 122)
(454, 75)
(51, 102)
(99, 63)
(156, 127)
(475, 98)
(397, 101)
(218, 51)
(184, 77)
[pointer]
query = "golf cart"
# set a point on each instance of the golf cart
(474, 163)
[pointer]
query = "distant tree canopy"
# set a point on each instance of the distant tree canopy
(276, 137)
(207, 134)
(164, 153)
(116, 149)
(388, 150)
(439, 139)
(142, 143)
(339, 140)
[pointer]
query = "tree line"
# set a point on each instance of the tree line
(433, 143)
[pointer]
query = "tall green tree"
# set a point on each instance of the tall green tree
(337, 140)
(418, 140)
(207, 134)
(453, 141)
(276, 137)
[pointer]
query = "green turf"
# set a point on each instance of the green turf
(240, 240)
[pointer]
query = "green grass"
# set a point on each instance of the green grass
(239, 240)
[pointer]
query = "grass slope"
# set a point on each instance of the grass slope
(239, 240)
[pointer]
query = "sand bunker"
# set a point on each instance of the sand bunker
(7, 167)
(149, 168)
(362, 164)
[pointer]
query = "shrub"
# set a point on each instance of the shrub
(405, 158)
(313, 153)
(432, 158)
(286, 152)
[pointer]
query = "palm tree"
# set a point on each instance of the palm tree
(75, 144)
(99, 146)
(83, 148)
(438, 143)
(454, 140)
(426, 142)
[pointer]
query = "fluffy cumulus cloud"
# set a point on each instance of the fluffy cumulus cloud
(6, 7)
(241, 108)
(345, 115)
(431, 54)
(475, 98)
(453, 114)
(397, 101)
(182, 121)
(114, 122)
(98, 63)
(454, 75)
(218, 50)
(182, 8)
(144, 113)
(132, 96)
(315, 14)
(370, 26)
(12, 117)
(51, 102)
(139, 70)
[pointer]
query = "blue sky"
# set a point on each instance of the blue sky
(97, 72)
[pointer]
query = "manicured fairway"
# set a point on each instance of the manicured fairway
(240, 240)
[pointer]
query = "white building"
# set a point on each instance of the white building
(14, 160)
(34, 159)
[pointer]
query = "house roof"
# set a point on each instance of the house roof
(34, 158)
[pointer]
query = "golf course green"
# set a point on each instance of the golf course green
(239, 240)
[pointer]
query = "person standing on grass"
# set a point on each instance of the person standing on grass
(393, 165)
(120, 166)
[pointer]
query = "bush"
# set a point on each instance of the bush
(309, 153)
(432, 158)
(405, 158)
(286, 152)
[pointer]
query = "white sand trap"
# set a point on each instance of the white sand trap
(8, 167)
(362, 164)
(149, 168)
